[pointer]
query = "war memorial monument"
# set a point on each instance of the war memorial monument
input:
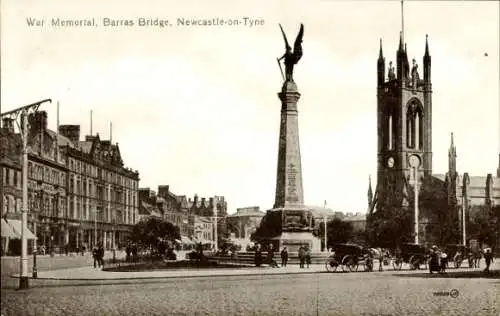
(296, 220)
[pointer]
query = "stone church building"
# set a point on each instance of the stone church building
(404, 150)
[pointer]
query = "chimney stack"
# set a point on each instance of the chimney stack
(163, 190)
(72, 132)
(8, 124)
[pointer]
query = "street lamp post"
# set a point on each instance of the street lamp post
(416, 205)
(415, 163)
(325, 249)
(35, 248)
(464, 208)
(215, 228)
(22, 114)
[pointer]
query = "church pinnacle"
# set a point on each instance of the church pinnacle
(452, 157)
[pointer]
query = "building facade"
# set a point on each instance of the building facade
(79, 192)
(468, 194)
(195, 216)
(243, 223)
(149, 205)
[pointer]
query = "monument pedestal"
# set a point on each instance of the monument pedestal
(296, 228)
(294, 240)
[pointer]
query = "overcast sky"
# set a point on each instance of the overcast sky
(197, 107)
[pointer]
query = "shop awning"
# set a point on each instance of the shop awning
(16, 225)
(8, 231)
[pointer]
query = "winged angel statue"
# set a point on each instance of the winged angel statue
(291, 58)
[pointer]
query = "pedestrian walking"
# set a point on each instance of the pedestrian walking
(434, 260)
(443, 262)
(100, 256)
(128, 251)
(134, 252)
(284, 257)
(302, 256)
(488, 258)
(270, 257)
(95, 256)
(258, 256)
(307, 256)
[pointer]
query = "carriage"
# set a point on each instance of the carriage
(349, 257)
(413, 254)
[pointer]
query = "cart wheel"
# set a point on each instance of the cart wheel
(331, 265)
(397, 263)
(354, 267)
(415, 262)
(345, 263)
(352, 264)
(369, 265)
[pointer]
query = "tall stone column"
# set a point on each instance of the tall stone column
(289, 190)
(296, 220)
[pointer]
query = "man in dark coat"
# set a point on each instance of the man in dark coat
(284, 257)
(307, 256)
(100, 252)
(95, 256)
(270, 257)
(302, 256)
(488, 258)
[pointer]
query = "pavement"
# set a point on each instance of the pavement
(94, 274)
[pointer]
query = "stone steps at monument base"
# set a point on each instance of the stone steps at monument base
(248, 258)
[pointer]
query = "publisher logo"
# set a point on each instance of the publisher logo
(453, 293)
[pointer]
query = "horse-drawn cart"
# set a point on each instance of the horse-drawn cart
(413, 254)
(349, 257)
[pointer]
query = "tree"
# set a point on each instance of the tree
(269, 227)
(484, 224)
(390, 226)
(152, 231)
(338, 230)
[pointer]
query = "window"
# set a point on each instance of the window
(390, 132)
(15, 179)
(7, 173)
(414, 130)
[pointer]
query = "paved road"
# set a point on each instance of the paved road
(387, 293)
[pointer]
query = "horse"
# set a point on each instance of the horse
(475, 258)
(380, 255)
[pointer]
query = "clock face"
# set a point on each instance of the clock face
(390, 162)
(414, 161)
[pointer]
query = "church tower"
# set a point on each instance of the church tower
(404, 125)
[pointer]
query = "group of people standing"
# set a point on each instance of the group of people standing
(98, 255)
(131, 252)
(304, 256)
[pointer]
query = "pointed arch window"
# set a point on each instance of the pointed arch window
(414, 130)
(390, 143)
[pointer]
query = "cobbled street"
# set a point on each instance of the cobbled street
(376, 293)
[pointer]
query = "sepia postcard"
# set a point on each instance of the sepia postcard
(218, 157)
